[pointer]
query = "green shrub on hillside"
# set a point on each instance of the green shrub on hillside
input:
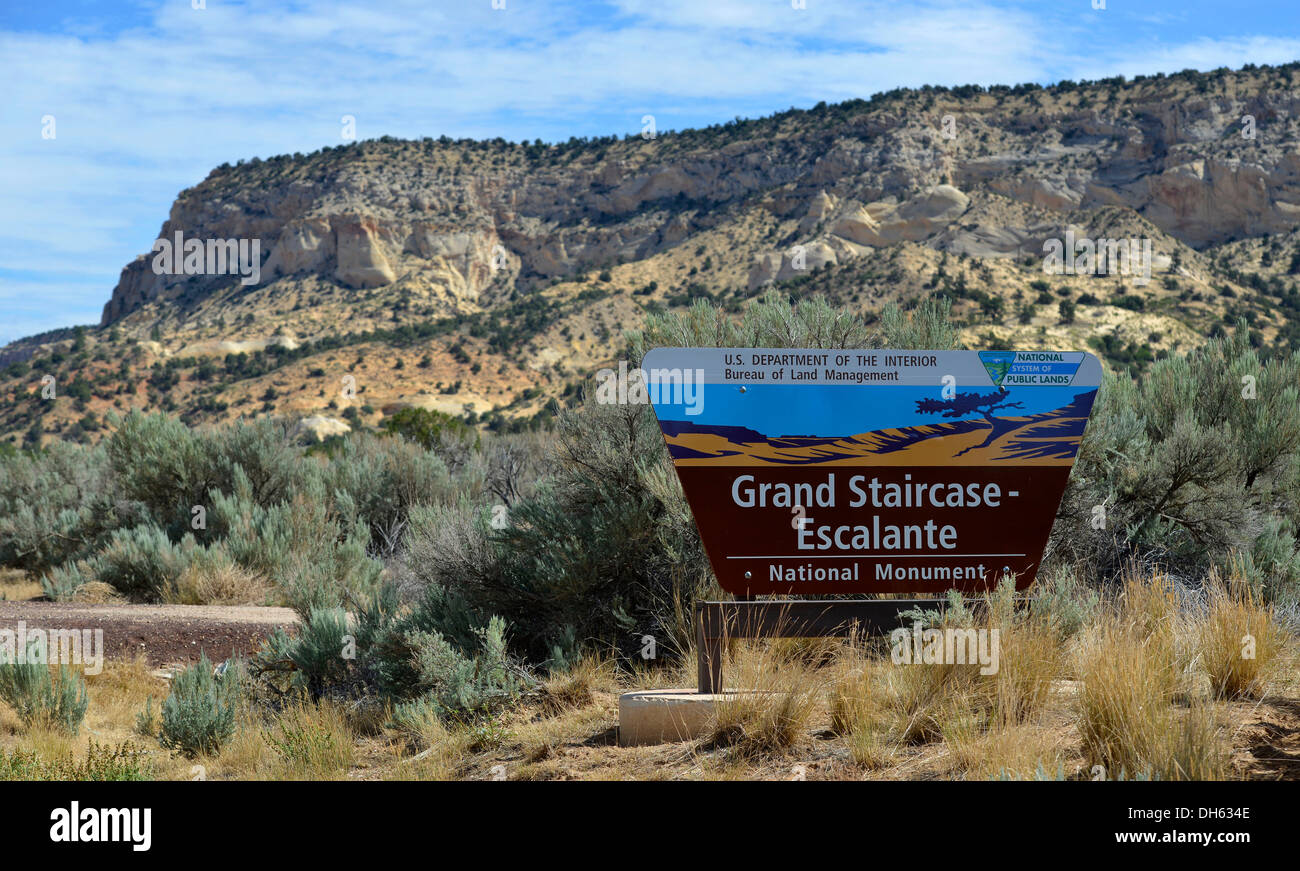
(317, 655)
(299, 544)
(399, 653)
(170, 468)
(584, 550)
(434, 431)
(457, 684)
(379, 480)
(63, 582)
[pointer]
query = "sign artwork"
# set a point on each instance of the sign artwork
(872, 471)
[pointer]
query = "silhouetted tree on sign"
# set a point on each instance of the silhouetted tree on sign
(965, 404)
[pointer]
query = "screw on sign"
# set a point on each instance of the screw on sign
(905, 471)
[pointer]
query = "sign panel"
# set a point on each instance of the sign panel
(818, 472)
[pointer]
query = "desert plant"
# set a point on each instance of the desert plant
(57, 505)
(312, 742)
(37, 698)
(102, 762)
(315, 562)
(773, 322)
(212, 578)
(198, 714)
(458, 684)
(1064, 602)
(318, 655)
(146, 722)
(1127, 723)
(63, 582)
(169, 468)
(774, 713)
(379, 480)
(142, 563)
(1188, 463)
(586, 550)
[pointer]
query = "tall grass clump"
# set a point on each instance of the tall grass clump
(931, 700)
(775, 710)
(1133, 666)
(1240, 641)
(311, 742)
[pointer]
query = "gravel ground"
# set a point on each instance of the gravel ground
(165, 634)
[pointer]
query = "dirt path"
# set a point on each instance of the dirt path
(165, 634)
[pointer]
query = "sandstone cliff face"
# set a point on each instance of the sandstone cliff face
(468, 224)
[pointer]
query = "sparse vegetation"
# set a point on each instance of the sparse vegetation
(473, 583)
(37, 697)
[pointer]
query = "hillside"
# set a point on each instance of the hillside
(487, 279)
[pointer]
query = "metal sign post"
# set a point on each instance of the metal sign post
(718, 621)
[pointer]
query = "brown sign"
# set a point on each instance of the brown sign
(819, 472)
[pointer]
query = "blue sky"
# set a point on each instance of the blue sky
(148, 96)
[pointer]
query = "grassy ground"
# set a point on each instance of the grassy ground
(18, 586)
(1145, 687)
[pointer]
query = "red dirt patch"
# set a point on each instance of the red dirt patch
(165, 634)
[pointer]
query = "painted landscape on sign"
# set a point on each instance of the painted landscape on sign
(979, 434)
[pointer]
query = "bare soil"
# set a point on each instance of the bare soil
(165, 634)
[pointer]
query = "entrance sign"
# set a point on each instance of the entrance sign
(818, 472)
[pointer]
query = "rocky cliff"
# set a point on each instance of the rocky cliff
(1204, 159)
(488, 278)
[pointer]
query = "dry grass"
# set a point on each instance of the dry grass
(1152, 667)
(119, 692)
(309, 741)
(1132, 665)
(1020, 752)
(18, 586)
(783, 691)
(1032, 658)
(1240, 642)
(859, 714)
(116, 695)
(575, 688)
(440, 761)
(883, 708)
(219, 584)
(96, 593)
(246, 756)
